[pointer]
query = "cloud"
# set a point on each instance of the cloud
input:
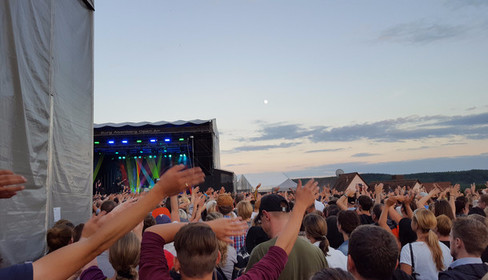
(249, 148)
(324, 150)
(364, 155)
(471, 108)
(422, 32)
(280, 131)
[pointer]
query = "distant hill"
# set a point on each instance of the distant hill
(464, 178)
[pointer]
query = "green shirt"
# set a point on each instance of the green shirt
(304, 260)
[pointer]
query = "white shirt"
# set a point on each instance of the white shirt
(423, 260)
(335, 258)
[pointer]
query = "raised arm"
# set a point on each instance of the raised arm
(64, 262)
(304, 197)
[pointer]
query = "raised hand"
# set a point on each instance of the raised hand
(224, 228)
(8, 180)
(305, 196)
(178, 179)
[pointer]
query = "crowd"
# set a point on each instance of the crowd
(175, 231)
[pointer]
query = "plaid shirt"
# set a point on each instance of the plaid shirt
(238, 240)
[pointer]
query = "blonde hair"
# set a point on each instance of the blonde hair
(244, 209)
(223, 246)
(426, 222)
(444, 225)
(124, 256)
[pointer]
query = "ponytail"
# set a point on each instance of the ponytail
(324, 245)
(435, 249)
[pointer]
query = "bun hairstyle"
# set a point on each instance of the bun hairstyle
(124, 256)
(426, 222)
(316, 228)
(58, 237)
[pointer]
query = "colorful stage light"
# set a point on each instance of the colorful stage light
(125, 141)
(116, 153)
(123, 157)
(182, 139)
(111, 142)
(153, 140)
(141, 152)
(139, 141)
(96, 142)
(120, 157)
(167, 140)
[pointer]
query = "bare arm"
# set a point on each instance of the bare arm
(64, 262)
(305, 196)
(384, 213)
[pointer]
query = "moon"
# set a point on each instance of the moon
(265, 101)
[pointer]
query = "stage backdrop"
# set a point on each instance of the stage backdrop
(46, 119)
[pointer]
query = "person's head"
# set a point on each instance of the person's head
(334, 237)
(476, 210)
(183, 203)
(222, 244)
(211, 206)
(424, 223)
(149, 221)
(376, 212)
(197, 250)
(332, 274)
(64, 222)
(365, 203)
(273, 214)
(244, 209)
(124, 256)
(77, 232)
(373, 253)
(239, 197)
(444, 225)
(442, 207)
(461, 204)
(225, 203)
(347, 221)
(316, 230)
(469, 237)
(107, 206)
(483, 201)
(58, 237)
(331, 210)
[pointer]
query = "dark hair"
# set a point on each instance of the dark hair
(77, 232)
(460, 204)
(473, 233)
(108, 206)
(197, 249)
(444, 225)
(58, 237)
(365, 202)
(332, 210)
(348, 220)
(316, 227)
(442, 207)
(377, 208)
(334, 237)
(149, 221)
(332, 274)
(64, 222)
(374, 252)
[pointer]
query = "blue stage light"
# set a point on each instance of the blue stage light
(167, 140)
(123, 157)
(111, 142)
(125, 141)
(153, 140)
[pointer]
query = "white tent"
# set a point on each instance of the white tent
(267, 181)
(287, 184)
(46, 119)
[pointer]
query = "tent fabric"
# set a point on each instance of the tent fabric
(46, 119)
(287, 184)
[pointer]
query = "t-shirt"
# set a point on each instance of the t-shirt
(366, 219)
(335, 258)
(92, 273)
(344, 248)
(17, 272)
(304, 260)
(422, 257)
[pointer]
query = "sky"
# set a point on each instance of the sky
(304, 88)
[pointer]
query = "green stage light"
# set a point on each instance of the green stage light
(123, 157)
(182, 139)
(139, 141)
(116, 153)
(140, 157)
(135, 157)
(96, 142)
(141, 152)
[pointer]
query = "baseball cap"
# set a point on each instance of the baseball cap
(272, 203)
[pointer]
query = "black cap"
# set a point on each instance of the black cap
(273, 203)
